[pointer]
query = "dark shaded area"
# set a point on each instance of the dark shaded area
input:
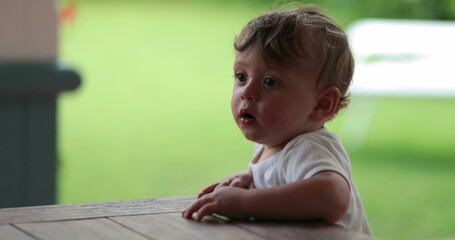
(28, 94)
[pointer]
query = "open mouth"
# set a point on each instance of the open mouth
(247, 118)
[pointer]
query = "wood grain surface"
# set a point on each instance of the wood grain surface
(173, 226)
(100, 228)
(150, 219)
(93, 210)
(8, 232)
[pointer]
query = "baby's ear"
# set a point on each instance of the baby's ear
(326, 105)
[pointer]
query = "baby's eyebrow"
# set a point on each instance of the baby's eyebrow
(238, 65)
(272, 69)
(239, 62)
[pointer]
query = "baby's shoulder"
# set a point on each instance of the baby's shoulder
(320, 139)
(314, 152)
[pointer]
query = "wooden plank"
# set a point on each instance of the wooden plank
(173, 226)
(93, 210)
(99, 228)
(300, 230)
(8, 232)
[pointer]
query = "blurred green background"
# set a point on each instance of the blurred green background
(152, 117)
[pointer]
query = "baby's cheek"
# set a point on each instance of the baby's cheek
(270, 116)
(274, 119)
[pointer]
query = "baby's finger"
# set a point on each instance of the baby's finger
(188, 213)
(208, 189)
(224, 183)
(205, 210)
(236, 183)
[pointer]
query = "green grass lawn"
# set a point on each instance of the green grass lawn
(152, 118)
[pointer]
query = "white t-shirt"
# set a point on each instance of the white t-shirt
(303, 157)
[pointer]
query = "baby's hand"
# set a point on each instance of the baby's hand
(226, 201)
(242, 179)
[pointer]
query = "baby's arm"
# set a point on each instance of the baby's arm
(324, 196)
(243, 179)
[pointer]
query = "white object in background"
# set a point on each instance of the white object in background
(397, 58)
(403, 57)
(28, 30)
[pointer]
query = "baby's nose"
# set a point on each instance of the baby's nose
(250, 93)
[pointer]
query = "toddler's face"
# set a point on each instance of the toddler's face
(272, 104)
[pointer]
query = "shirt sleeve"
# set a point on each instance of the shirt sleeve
(306, 158)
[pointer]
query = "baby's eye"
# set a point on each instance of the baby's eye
(269, 82)
(240, 77)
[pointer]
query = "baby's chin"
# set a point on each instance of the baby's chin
(257, 139)
(251, 137)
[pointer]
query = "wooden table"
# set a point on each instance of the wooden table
(157, 218)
